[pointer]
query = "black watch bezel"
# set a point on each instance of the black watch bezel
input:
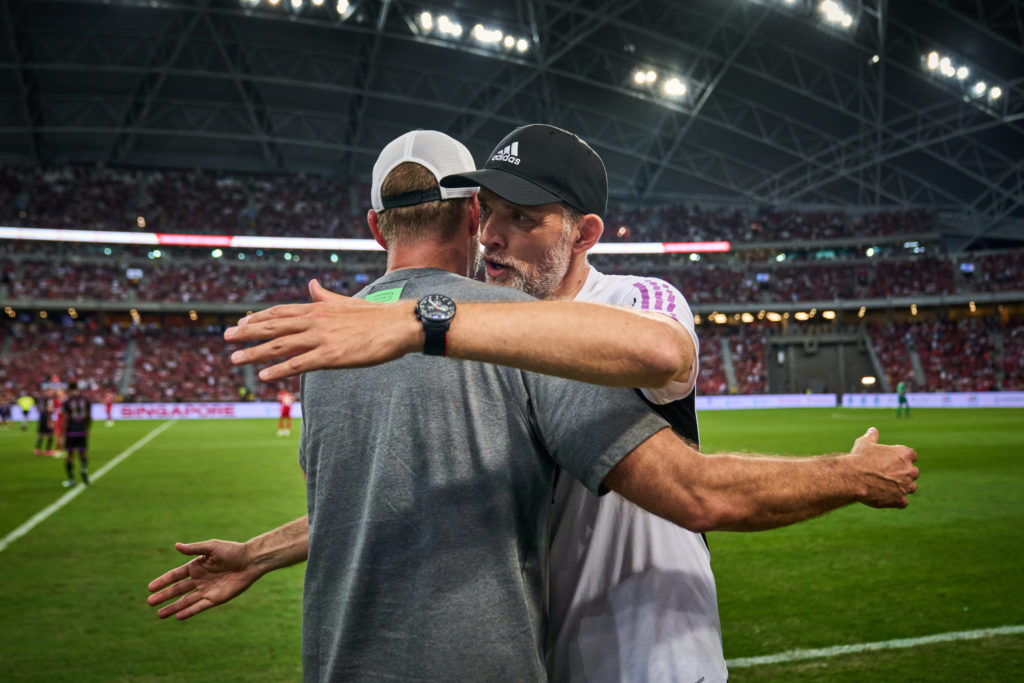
(435, 326)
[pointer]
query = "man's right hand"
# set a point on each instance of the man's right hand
(222, 571)
(888, 472)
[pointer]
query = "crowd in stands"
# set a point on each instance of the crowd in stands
(711, 378)
(748, 358)
(37, 352)
(209, 202)
(172, 365)
(200, 278)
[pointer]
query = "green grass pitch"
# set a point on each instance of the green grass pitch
(73, 589)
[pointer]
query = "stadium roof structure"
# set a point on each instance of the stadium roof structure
(773, 104)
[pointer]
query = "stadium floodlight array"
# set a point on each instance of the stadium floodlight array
(647, 77)
(220, 242)
(449, 28)
(836, 14)
(943, 65)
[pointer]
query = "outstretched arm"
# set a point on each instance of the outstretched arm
(582, 341)
(726, 492)
(225, 569)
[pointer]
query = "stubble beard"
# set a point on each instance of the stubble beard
(542, 279)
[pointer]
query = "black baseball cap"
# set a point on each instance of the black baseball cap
(542, 164)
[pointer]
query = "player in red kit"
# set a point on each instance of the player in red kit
(284, 423)
(109, 399)
(59, 423)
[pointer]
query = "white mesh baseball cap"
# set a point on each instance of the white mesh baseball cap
(440, 154)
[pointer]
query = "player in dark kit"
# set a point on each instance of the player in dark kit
(78, 418)
(45, 433)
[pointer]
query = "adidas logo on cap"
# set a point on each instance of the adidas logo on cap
(510, 153)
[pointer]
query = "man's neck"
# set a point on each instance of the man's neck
(574, 279)
(443, 257)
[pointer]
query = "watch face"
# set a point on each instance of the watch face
(436, 307)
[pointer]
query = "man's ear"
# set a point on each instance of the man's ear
(590, 228)
(371, 219)
(474, 214)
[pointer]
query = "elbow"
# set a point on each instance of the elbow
(665, 362)
(709, 515)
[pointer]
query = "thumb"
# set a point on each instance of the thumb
(870, 436)
(320, 294)
(200, 548)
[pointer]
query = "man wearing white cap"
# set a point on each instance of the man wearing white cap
(427, 478)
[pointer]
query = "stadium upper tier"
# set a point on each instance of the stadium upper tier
(32, 274)
(204, 202)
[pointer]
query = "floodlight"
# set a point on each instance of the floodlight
(216, 253)
(933, 60)
(318, 3)
(522, 45)
(847, 21)
(963, 72)
(510, 42)
(486, 35)
(874, 59)
(652, 76)
(747, 318)
(945, 63)
(780, 258)
(947, 70)
(449, 27)
(342, 7)
(995, 93)
(867, 380)
(275, 3)
(426, 21)
(980, 87)
(675, 87)
(721, 318)
(828, 315)
(695, 257)
(773, 317)
(297, 4)
(640, 77)
(801, 316)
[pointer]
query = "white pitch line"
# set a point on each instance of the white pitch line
(797, 655)
(73, 493)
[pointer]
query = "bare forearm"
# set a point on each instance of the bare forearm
(281, 547)
(747, 493)
(582, 341)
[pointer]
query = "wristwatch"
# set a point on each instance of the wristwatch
(435, 311)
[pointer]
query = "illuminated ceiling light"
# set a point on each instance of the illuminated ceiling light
(995, 93)
(426, 21)
(963, 72)
(945, 63)
(217, 253)
(342, 7)
(140, 221)
(486, 35)
(747, 317)
(862, 311)
(973, 306)
(867, 380)
(773, 317)
(871, 251)
(947, 70)
(509, 42)
(695, 257)
(828, 315)
(652, 76)
(522, 45)
(334, 258)
(980, 88)
(933, 60)
(318, 3)
(780, 258)
(847, 21)
(449, 27)
(801, 315)
(675, 87)
(640, 77)
(913, 309)
(275, 3)
(875, 59)
(721, 318)
(297, 4)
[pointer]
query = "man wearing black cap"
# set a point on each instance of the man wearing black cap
(632, 596)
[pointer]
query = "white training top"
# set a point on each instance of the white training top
(632, 596)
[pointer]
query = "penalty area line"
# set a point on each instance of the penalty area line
(73, 493)
(798, 655)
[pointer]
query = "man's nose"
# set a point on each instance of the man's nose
(491, 234)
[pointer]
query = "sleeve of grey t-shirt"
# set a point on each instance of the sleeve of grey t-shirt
(587, 428)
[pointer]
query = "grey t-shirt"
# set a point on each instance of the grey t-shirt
(427, 484)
